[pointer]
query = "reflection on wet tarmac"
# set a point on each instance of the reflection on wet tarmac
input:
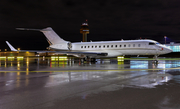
(31, 83)
(133, 79)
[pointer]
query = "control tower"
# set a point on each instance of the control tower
(84, 31)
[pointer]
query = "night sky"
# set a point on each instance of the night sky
(108, 20)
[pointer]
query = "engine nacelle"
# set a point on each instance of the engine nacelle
(62, 46)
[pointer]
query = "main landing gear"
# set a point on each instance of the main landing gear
(156, 59)
(88, 59)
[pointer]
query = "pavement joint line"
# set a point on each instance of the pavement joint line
(74, 70)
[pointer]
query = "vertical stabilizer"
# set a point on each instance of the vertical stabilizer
(52, 36)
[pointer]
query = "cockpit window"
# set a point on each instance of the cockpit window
(157, 43)
(150, 43)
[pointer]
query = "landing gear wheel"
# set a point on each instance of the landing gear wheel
(93, 59)
(155, 62)
(156, 59)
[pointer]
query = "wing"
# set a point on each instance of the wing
(59, 52)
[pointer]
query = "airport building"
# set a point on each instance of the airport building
(15, 53)
(174, 46)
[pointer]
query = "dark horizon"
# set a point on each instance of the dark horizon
(108, 20)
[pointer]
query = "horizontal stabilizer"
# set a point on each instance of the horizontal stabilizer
(28, 29)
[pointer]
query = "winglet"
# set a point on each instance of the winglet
(11, 47)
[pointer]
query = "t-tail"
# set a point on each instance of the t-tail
(50, 34)
(53, 39)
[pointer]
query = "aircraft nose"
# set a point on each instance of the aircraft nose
(165, 50)
(168, 50)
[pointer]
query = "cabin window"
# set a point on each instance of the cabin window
(119, 45)
(129, 45)
(99, 46)
(84, 46)
(111, 46)
(124, 45)
(116, 46)
(104, 46)
(95, 46)
(150, 43)
(88, 46)
(81, 46)
(92, 46)
(107, 46)
(133, 45)
(139, 45)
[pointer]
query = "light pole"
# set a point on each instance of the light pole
(165, 39)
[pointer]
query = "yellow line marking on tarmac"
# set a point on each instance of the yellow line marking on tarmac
(74, 70)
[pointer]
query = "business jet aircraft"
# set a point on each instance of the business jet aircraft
(99, 49)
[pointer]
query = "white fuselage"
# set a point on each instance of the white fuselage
(103, 48)
(117, 48)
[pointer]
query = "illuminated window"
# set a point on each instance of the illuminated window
(175, 48)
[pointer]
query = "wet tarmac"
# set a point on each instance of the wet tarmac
(129, 84)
